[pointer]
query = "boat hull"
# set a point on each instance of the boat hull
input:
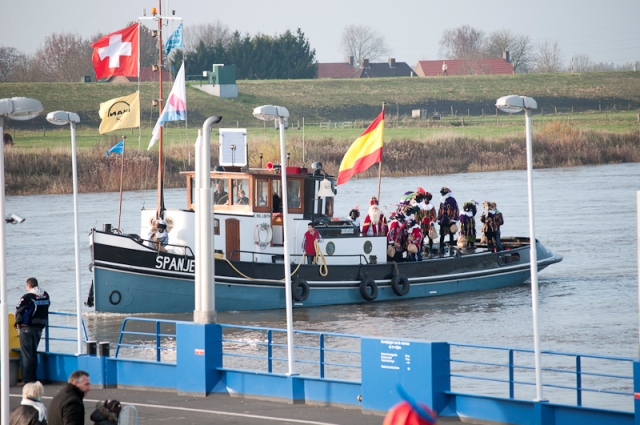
(128, 278)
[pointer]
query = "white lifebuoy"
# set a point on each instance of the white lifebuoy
(262, 235)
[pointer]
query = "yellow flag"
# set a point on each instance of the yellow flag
(122, 112)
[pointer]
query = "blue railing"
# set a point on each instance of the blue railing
(64, 327)
(162, 339)
(567, 378)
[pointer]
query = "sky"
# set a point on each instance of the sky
(605, 31)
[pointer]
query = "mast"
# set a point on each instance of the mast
(160, 107)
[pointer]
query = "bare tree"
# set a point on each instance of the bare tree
(210, 34)
(64, 57)
(11, 60)
(362, 42)
(548, 57)
(464, 43)
(581, 63)
(518, 46)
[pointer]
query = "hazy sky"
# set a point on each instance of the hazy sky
(606, 31)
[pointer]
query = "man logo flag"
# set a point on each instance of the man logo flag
(117, 53)
(174, 42)
(121, 112)
(176, 107)
(119, 148)
(364, 152)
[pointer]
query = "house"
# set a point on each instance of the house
(391, 68)
(146, 75)
(444, 67)
(337, 69)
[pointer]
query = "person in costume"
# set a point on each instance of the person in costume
(468, 223)
(396, 236)
(447, 215)
(498, 221)
(492, 219)
(414, 236)
(375, 223)
(354, 215)
(426, 217)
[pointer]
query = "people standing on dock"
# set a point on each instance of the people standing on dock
(309, 242)
(31, 410)
(32, 314)
(468, 224)
(375, 223)
(447, 215)
(67, 406)
(106, 413)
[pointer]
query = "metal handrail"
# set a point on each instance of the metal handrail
(49, 327)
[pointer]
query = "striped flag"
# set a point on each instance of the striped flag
(119, 148)
(174, 42)
(176, 107)
(364, 152)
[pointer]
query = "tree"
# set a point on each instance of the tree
(63, 57)
(463, 43)
(548, 57)
(11, 60)
(209, 34)
(581, 63)
(362, 42)
(518, 46)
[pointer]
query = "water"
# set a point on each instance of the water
(587, 303)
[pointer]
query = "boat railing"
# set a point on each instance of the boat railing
(567, 378)
(249, 348)
(296, 258)
(62, 330)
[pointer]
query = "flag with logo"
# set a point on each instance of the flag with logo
(117, 53)
(176, 107)
(364, 152)
(174, 42)
(121, 112)
(118, 148)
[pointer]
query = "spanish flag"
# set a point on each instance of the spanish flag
(121, 112)
(364, 152)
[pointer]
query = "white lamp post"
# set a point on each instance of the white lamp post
(514, 104)
(205, 293)
(270, 113)
(62, 118)
(21, 109)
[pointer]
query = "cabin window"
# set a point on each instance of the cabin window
(276, 194)
(221, 191)
(261, 193)
(293, 193)
(240, 190)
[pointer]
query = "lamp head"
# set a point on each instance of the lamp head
(20, 108)
(270, 112)
(63, 117)
(14, 219)
(514, 103)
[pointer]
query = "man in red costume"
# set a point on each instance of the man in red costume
(374, 223)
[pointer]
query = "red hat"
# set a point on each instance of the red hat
(404, 414)
(373, 201)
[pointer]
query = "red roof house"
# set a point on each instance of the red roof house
(335, 70)
(445, 67)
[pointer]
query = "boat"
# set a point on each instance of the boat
(131, 274)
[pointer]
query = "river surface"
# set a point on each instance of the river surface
(588, 303)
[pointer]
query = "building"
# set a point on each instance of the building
(447, 67)
(348, 69)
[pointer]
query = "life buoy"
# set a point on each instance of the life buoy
(368, 289)
(262, 235)
(115, 297)
(400, 285)
(300, 290)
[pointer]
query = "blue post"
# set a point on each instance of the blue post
(199, 355)
(636, 392)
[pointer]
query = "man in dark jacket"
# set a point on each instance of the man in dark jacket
(67, 407)
(32, 314)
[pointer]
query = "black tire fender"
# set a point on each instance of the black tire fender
(400, 285)
(368, 289)
(300, 290)
(115, 297)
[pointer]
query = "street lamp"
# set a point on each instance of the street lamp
(514, 104)
(62, 118)
(270, 113)
(20, 109)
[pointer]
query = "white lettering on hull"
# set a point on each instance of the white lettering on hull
(175, 264)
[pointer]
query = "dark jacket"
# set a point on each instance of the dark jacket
(33, 310)
(66, 407)
(25, 415)
(102, 416)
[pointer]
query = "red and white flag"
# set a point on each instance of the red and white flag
(117, 53)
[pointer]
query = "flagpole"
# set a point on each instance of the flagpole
(380, 163)
(121, 180)
(160, 107)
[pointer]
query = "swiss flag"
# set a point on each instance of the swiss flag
(117, 53)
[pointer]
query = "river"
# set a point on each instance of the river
(587, 303)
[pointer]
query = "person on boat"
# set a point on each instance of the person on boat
(414, 236)
(242, 198)
(395, 237)
(158, 237)
(490, 227)
(426, 216)
(354, 215)
(220, 196)
(309, 242)
(375, 224)
(447, 215)
(498, 221)
(468, 223)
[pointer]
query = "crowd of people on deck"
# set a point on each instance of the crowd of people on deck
(411, 228)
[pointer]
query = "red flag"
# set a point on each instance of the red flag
(117, 53)
(364, 152)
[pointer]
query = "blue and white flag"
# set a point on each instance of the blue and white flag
(119, 148)
(174, 42)
(176, 107)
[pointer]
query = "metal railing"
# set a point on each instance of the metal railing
(141, 343)
(567, 378)
(63, 326)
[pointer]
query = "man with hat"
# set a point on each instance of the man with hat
(375, 224)
(447, 214)
(158, 237)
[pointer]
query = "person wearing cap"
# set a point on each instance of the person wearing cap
(426, 216)
(468, 223)
(492, 220)
(447, 214)
(158, 237)
(106, 412)
(375, 224)
(354, 215)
